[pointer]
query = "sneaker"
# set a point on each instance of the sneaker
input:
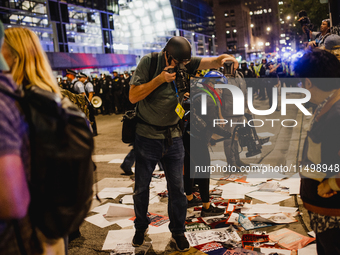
(138, 238)
(126, 170)
(181, 242)
(211, 211)
(194, 202)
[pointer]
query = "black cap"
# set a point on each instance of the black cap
(179, 48)
(82, 75)
(70, 71)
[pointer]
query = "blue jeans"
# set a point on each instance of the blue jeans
(148, 152)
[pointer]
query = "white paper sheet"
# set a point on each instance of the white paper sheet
(235, 190)
(266, 208)
(114, 192)
(127, 199)
(102, 209)
(293, 183)
(268, 197)
(268, 251)
(117, 210)
(308, 250)
(116, 161)
(157, 230)
(99, 221)
(118, 236)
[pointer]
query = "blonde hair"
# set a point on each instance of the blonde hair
(31, 66)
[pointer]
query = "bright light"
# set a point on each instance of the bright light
(235, 31)
(288, 17)
(283, 35)
(213, 36)
(246, 45)
(267, 43)
(228, 32)
(268, 29)
(251, 25)
(269, 10)
(251, 13)
(260, 43)
(282, 41)
(277, 49)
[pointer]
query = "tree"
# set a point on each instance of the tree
(315, 11)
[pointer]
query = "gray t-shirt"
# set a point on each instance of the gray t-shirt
(158, 108)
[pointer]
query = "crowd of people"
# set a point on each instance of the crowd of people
(113, 89)
(159, 134)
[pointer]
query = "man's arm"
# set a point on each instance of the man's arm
(139, 92)
(14, 193)
(216, 62)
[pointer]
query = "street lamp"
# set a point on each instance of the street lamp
(268, 29)
(288, 17)
(251, 25)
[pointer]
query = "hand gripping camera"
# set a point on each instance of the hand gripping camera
(178, 49)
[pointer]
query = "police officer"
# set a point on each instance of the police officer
(65, 83)
(71, 78)
(262, 74)
(106, 87)
(78, 86)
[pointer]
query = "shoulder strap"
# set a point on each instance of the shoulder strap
(153, 65)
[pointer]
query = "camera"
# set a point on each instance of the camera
(247, 137)
(228, 69)
(305, 22)
(182, 77)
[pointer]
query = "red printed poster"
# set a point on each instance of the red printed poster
(156, 219)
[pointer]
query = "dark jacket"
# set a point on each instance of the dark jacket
(322, 148)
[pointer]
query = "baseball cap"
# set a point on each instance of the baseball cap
(3, 63)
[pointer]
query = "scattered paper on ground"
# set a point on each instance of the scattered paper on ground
(115, 237)
(308, 250)
(290, 239)
(218, 235)
(268, 197)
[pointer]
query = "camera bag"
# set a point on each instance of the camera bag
(130, 118)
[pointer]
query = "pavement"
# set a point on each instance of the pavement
(285, 148)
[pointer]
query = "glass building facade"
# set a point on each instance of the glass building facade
(128, 27)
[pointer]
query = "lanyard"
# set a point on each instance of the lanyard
(176, 90)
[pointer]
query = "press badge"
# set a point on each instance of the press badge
(179, 110)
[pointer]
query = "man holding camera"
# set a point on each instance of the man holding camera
(318, 38)
(158, 86)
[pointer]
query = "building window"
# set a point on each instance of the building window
(227, 24)
(226, 14)
(232, 13)
(233, 23)
(228, 34)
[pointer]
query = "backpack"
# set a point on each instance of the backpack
(61, 146)
(130, 117)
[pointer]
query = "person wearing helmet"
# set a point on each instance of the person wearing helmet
(231, 149)
(159, 93)
(199, 139)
